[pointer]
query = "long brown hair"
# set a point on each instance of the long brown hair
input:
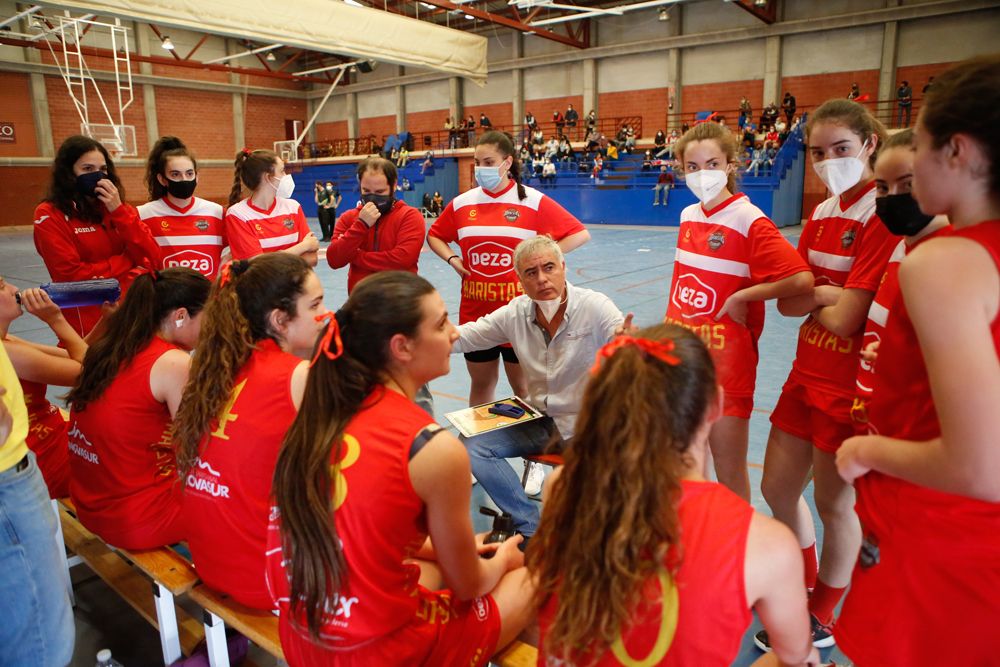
(62, 190)
(853, 116)
(505, 144)
(638, 419)
(250, 168)
(380, 306)
(150, 298)
(236, 317)
(726, 140)
(156, 164)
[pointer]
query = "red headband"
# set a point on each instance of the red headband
(662, 350)
(332, 334)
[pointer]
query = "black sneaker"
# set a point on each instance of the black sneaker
(822, 636)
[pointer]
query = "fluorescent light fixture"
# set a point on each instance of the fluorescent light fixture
(270, 57)
(427, 6)
(470, 17)
(167, 44)
(664, 15)
(355, 3)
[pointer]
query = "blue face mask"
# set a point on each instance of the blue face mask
(489, 178)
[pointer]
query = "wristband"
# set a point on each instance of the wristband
(451, 258)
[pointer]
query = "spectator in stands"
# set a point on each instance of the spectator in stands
(549, 173)
(321, 198)
(484, 122)
(538, 137)
(558, 120)
(927, 86)
(470, 130)
(664, 184)
(771, 135)
(38, 626)
(365, 483)
(529, 122)
(565, 149)
(83, 229)
(855, 92)
(904, 99)
(552, 148)
(770, 115)
(524, 154)
(659, 141)
(593, 140)
(788, 106)
(382, 234)
(591, 120)
(247, 378)
(452, 128)
(612, 150)
(758, 159)
(772, 154)
(404, 157)
(427, 167)
(633, 493)
(629, 138)
(437, 203)
(746, 111)
(556, 357)
(598, 168)
(647, 160)
(572, 116)
(393, 155)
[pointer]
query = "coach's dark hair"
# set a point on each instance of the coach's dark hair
(151, 298)
(62, 192)
(236, 318)
(965, 99)
(505, 144)
(379, 164)
(251, 167)
(380, 306)
(156, 164)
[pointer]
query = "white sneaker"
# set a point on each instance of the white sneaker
(536, 475)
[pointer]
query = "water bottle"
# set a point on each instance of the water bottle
(503, 527)
(83, 293)
(104, 659)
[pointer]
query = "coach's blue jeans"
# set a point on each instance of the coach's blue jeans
(36, 620)
(487, 453)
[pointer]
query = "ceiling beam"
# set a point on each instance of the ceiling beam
(768, 13)
(507, 22)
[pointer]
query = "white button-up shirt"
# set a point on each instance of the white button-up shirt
(556, 371)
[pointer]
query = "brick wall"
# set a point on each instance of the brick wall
(427, 122)
(650, 103)
(380, 126)
(66, 121)
(15, 107)
(334, 130)
(202, 120)
(721, 97)
(501, 115)
(265, 119)
(812, 90)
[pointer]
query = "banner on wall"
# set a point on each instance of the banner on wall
(7, 134)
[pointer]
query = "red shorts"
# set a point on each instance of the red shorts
(737, 406)
(821, 417)
(444, 632)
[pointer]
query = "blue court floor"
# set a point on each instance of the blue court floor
(631, 265)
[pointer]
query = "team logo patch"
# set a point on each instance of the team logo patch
(473, 213)
(693, 297)
(258, 227)
(847, 238)
(201, 225)
(511, 215)
(490, 259)
(482, 609)
(288, 223)
(191, 259)
(716, 240)
(164, 224)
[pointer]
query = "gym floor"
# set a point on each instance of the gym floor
(631, 265)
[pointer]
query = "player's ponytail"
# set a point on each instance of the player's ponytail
(149, 300)
(236, 318)
(156, 164)
(250, 168)
(505, 145)
(640, 413)
(380, 306)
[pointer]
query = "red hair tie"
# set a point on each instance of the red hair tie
(662, 350)
(332, 334)
(225, 274)
(145, 269)
(246, 151)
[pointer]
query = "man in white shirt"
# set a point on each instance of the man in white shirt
(556, 330)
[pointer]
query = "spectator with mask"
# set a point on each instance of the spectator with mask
(558, 120)
(591, 120)
(664, 183)
(746, 111)
(555, 330)
(788, 106)
(571, 116)
(549, 173)
(484, 122)
(904, 99)
(529, 122)
(659, 141)
(382, 233)
(855, 92)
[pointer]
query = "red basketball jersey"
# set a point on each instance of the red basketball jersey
(252, 231)
(47, 438)
(380, 521)
(488, 226)
(719, 252)
(124, 478)
(697, 616)
(193, 237)
(228, 491)
(845, 245)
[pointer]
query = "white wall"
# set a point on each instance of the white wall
(427, 96)
(717, 63)
(635, 26)
(374, 103)
(713, 15)
(646, 70)
(498, 88)
(947, 38)
(334, 110)
(832, 51)
(797, 9)
(553, 81)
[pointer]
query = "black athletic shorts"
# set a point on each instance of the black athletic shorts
(492, 354)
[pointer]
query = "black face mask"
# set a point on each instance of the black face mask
(901, 214)
(86, 184)
(383, 203)
(181, 189)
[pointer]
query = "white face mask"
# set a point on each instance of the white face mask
(840, 174)
(549, 307)
(285, 187)
(706, 184)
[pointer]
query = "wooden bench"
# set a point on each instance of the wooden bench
(260, 627)
(517, 654)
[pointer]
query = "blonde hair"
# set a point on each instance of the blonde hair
(726, 140)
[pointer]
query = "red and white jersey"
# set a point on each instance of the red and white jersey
(719, 252)
(846, 245)
(878, 317)
(193, 236)
(252, 231)
(488, 226)
(668, 628)
(124, 474)
(47, 438)
(381, 522)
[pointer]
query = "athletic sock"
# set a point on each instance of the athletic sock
(812, 565)
(823, 600)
